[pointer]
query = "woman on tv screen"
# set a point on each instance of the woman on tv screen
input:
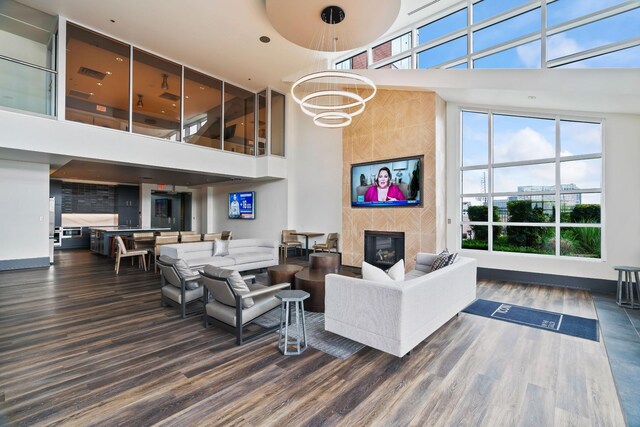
(383, 189)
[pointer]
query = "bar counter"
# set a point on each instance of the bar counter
(101, 236)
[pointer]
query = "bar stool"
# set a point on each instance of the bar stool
(626, 287)
(284, 341)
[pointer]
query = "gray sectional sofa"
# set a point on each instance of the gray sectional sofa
(395, 316)
(244, 254)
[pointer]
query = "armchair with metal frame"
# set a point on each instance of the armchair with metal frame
(229, 309)
(180, 286)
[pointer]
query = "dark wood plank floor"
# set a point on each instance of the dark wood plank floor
(82, 346)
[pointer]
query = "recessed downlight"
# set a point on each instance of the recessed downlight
(265, 39)
(119, 59)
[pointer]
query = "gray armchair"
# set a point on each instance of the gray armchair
(232, 304)
(180, 286)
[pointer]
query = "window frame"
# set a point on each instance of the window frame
(558, 192)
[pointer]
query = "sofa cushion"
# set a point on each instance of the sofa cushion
(249, 257)
(373, 273)
(452, 258)
(235, 280)
(442, 260)
(220, 247)
(218, 261)
(396, 272)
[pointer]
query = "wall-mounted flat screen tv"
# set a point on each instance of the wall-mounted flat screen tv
(242, 205)
(394, 182)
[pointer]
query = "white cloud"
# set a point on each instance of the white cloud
(523, 144)
(529, 54)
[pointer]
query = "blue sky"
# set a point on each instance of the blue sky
(613, 29)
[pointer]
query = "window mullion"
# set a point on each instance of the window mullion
(558, 187)
(489, 183)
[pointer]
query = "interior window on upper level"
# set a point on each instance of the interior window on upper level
(239, 120)
(97, 79)
(157, 93)
(262, 123)
(356, 62)
(27, 76)
(277, 123)
(202, 109)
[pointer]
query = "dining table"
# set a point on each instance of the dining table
(307, 234)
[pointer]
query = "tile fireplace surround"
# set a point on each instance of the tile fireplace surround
(397, 124)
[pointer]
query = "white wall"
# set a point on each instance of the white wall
(621, 204)
(315, 175)
(270, 209)
(24, 217)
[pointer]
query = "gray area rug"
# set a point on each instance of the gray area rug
(317, 337)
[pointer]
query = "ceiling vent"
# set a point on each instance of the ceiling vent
(92, 73)
(424, 6)
(170, 96)
(78, 94)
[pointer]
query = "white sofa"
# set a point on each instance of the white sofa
(244, 254)
(394, 317)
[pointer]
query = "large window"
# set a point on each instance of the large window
(531, 184)
(239, 120)
(202, 109)
(513, 34)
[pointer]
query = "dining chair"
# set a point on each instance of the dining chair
(209, 237)
(226, 235)
(122, 252)
(189, 236)
(289, 241)
(331, 243)
(161, 240)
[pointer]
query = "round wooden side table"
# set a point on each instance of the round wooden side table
(283, 273)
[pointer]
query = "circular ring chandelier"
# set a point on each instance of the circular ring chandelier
(333, 91)
(333, 97)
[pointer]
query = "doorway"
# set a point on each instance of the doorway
(171, 210)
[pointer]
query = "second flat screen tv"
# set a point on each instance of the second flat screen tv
(242, 205)
(394, 182)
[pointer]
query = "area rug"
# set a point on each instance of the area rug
(557, 322)
(317, 337)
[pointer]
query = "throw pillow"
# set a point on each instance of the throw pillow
(397, 271)
(220, 247)
(441, 260)
(452, 258)
(183, 270)
(238, 285)
(373, 273)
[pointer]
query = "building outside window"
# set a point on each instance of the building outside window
(531, 184)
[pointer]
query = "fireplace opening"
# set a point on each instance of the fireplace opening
(383, 248)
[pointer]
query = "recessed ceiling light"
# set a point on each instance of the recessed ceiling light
(265, 39)
(249, 79)
(173, 105)
(99, 84)
(186, 97)
(109, 73)
(119, 59)
(112, 20)
(201, 87)
(162, 111)
(91, 93)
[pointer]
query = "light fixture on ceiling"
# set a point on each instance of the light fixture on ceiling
(140, 104)
(333, 97)
(165, 83)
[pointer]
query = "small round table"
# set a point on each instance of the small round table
(283, 273)
(284, 341)
(625, 287)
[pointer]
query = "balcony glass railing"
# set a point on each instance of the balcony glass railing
(27, 87)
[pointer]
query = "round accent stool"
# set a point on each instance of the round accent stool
(283, 273)
(625, 295)
(326, 262)
(312, 281)
(286, 310)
